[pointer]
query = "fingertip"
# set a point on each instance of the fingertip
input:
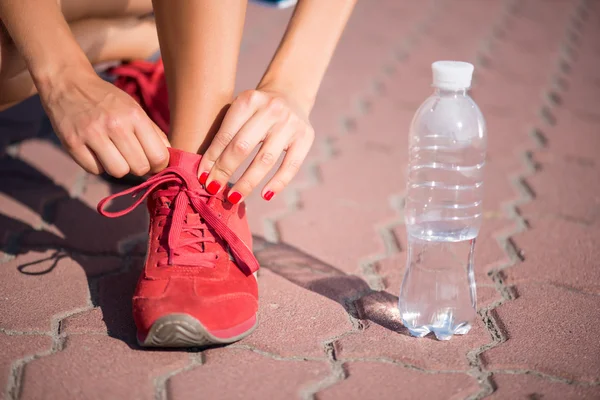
(213, 187)
(268, 195)
(234, 197)
(203, 178)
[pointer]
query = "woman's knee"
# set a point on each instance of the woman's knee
(79, 9)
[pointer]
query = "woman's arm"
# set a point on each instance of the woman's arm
(276, 113)
(298, 67)
(43, 37)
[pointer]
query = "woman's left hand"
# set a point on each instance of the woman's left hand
(255, 117)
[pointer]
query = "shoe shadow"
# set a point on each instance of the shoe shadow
(111, 252)
(71, 229)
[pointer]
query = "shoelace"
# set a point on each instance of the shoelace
(185, 189)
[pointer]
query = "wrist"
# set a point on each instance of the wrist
(298, 93)
(61, 76)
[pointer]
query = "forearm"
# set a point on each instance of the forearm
(200, 43)
(44, 39)
(302, 58)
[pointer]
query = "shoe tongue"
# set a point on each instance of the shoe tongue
(184, 160)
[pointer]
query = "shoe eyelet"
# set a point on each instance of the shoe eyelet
(220, 215)
(217, 257)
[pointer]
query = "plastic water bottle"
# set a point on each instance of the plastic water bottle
(443, 210)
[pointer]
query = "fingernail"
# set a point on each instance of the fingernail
(213, 187)
(203, 178)
(269, 195)
(234, 198)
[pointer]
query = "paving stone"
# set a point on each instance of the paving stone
(38, 285)
(574, 139)
(553, 246)
(385, 337)
(114, 295)
(53, 162)
(295, 321)
(558, 193)
(90, 321)
(532, 387)
(95, 189)
(16, 347)
(73, 219)
(386, 381)
(28, 187)
(507, 137)
(15, 219)
(345, 226)
(130, 373)
(363, 113)
(487, 295)
(489, 253)
(498, 96)
(499, 187)
(391, 270)
(551, 330)
(266, 378)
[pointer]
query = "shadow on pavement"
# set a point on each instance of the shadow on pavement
(73, 229)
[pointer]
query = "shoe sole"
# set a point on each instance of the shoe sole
(183, 330)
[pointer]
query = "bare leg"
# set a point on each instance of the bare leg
(74, 10)
(102, 37)
(200, 42)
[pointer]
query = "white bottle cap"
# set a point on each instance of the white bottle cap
(452, 75)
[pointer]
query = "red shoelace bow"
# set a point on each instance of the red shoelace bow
(184, 189)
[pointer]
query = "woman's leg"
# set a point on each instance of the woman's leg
(102, 40)
(106, 30)
(200, 43)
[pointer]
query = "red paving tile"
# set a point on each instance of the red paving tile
(37, 286)
(558, 194)
(369, 380)
(324, 327)
(552, 331)
(18, 347)
(53, 161)
(264, 377)
(386, 338)
(555, 247)
(116, 372)
(532, 387)
(89, 321)
(294, 320)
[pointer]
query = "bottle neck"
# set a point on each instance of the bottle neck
(450, 92)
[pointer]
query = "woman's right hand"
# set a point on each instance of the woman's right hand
(102, 127)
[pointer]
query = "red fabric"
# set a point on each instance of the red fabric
(145, 82)
(189, 269)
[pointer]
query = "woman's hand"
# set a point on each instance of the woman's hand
(103, 128)
(255, 117)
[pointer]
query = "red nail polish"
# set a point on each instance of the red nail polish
(269, 195)
(213, 187)
(203, 178)
(234, 198)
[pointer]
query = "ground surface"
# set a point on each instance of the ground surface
(333, 246)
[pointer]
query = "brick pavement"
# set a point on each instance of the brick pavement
(332, 246)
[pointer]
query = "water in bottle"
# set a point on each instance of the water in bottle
(443, 209)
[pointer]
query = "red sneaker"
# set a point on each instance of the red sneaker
(198, 286)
